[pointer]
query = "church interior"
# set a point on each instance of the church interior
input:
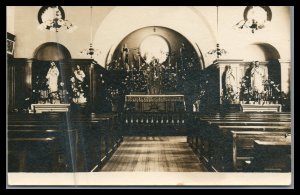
(149, 89)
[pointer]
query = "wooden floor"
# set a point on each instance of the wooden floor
(153, 154)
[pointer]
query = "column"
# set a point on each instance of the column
(285, 75)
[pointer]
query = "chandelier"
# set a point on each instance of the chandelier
(255, 18)
(91, 51)
(218, 50)
(52, 18)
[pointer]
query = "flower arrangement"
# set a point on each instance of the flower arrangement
(41, 93)
(134, 81)
(171, 76)
(270, 94)
(229, 96)
(77, 91)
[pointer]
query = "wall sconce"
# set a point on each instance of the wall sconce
(255, 18)
(53, 18)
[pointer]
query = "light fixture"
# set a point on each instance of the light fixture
(52, 18)
(218, 51)
(91, 51)
(255, 18)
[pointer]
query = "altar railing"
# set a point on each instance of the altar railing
(154, 122)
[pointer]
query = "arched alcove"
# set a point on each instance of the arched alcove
(51, 51)
(174, 41)
(189, 22)
(265, 52)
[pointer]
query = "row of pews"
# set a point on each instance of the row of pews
(61, 142)
(248, 142)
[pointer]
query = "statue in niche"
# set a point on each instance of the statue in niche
(230, 94)
(153, 73)
(257, 77)
(230, 83)
(52, 77)
(79, 74)
(77, 85)
(125, 56)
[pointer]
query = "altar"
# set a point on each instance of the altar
(40, 108)
(155, 103)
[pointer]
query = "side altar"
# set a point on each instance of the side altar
(155, 103)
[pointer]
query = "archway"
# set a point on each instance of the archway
(170, 44)
(189, 22)
(265, 52)
(51, 51)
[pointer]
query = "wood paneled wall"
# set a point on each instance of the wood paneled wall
(21, 73)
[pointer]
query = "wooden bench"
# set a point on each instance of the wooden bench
(41, 150)
(243, 144)
(272, 156)
(212, 141)
(97, 134)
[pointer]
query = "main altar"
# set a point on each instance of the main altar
(155, 103)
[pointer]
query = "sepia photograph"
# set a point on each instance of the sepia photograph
(149, 96)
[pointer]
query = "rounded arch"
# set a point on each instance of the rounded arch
(175, 41)
(189, 22)
(271, 53)
(265, 52)
(51, 51)
(260, 52)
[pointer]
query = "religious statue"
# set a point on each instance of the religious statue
(257, 77)
(153, 73)
(125, 56)
(52, 77)
(79, 74)
(77, 85)
(230, 83)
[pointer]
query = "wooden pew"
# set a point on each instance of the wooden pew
(99, 137)
(211, 141)
(272, 156)
(243, 144)
(218, 146)
(41, 150)
(96, 133)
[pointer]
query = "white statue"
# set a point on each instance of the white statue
(77, 86)
(230, 83)
(52, 77)
(257, 78)
(79, 74)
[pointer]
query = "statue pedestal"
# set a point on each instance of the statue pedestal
(260, 107)
(40, 108)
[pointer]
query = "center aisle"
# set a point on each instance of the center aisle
(152, 154)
